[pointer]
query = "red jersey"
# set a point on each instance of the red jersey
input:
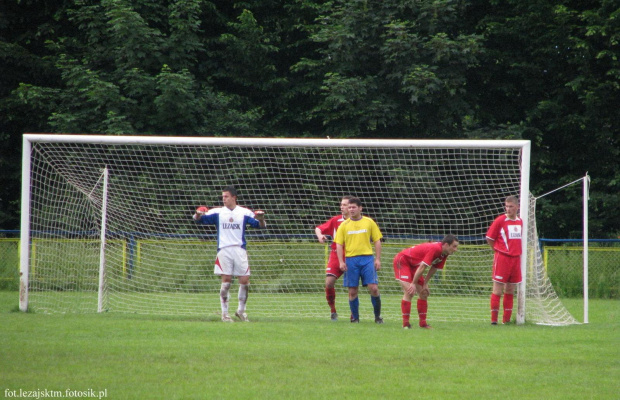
(427, 253)
(506, 233)
(330, 227)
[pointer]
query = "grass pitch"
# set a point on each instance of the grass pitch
(127, 356)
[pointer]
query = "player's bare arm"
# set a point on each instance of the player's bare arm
(419, 272)
(411, 290)
(260, 216)
(426, 291)
(490, 242)
(340, 253)
(319, 235)
(200, 211)
(378, 255)
(430, 274)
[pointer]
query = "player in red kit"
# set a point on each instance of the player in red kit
(332, 271)
(409, 267)
(504, 236)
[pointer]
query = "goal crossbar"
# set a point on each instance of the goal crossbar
(275, 142)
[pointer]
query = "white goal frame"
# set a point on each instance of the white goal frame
(524, 147)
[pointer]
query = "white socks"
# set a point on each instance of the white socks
(243, 297)
(224, 297)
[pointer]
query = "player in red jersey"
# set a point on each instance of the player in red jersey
(504, 236)
(409, 266)
(332, 271)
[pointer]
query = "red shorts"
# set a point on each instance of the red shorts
(404, 271)
(333, 265)
(506, 269)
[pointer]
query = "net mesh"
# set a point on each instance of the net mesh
(158, 261)
(542, 303)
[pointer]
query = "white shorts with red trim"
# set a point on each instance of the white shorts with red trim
(232, 261)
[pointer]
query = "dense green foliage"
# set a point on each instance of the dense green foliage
(546, 71)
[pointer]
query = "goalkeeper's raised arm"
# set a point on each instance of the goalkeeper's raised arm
(200, 211)
(259, 215)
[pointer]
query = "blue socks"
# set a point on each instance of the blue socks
(355, 308)
(376, 305)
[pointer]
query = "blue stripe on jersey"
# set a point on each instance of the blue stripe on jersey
(214, 219)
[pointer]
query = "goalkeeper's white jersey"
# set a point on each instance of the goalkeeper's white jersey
(230, 225)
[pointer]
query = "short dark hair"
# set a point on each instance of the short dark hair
(355, 200)
(449, 239)
(347, 197)
(231, 190)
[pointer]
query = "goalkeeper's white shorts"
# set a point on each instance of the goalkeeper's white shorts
(232, 260)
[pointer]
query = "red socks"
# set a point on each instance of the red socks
(508, 300)
(422, 309)
(405, 307)
(422, 306)
(494, 307)
(330, 295)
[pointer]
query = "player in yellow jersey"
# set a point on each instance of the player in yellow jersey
(353, 240)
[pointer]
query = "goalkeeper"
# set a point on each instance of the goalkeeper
(232, 259)
(409, 266)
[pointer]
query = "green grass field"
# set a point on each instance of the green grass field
(147, 357)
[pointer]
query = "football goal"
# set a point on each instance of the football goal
(107, 222)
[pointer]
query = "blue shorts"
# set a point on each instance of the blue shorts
(360, 267)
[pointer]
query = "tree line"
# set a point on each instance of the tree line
(546, 71)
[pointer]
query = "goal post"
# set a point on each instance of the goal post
(524, 206)
(24, 250)
(156, 260)
(102, 265)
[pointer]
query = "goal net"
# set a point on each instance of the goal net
(107, 222)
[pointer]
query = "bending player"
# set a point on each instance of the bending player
(332, 270)
(504, 236)
(232, 258)
(409, 267)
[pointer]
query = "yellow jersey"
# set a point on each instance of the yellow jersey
(357, 236)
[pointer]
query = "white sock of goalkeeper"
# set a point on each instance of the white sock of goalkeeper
(224, 296)
(243, 296)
